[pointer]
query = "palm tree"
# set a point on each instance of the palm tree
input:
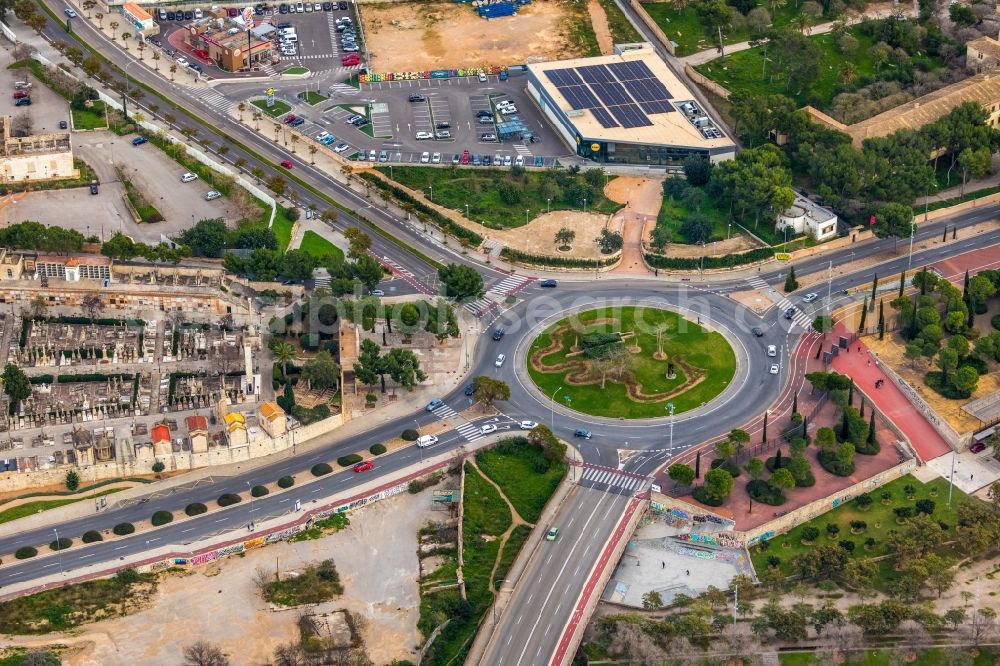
(153, 108)
(88, 5)
(156, 61)
(283, 353)
(100, 20)
(241, 107)
(257, 115)
(293, 196)
(223, 149)
(36, 22)
(170, 118)
(173, 70)
(114, 30)
(312, 153)
(848, 72)
(295, 139)
(801, 23)
(277, 132)
(142, 47)
(239, 163)
(125, 37)
(329, 215)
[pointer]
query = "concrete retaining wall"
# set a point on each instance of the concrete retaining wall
(705, 82)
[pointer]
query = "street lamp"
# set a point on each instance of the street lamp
(584, 205)
(59, 551)
(125, 94)
(251, 506)
(432, 191)
(670, 408)
(552, 410)
(466, 210)
(526, 211)
(548, 205)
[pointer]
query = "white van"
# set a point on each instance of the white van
(426, 440)
(290, 39)
(198, 14)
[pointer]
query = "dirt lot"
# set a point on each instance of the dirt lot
(443, 35)
(377, 561)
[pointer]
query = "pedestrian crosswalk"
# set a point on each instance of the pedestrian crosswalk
(521, 149)
(467, 430)
(211, 97)
(614, 480)
(800, 318)
(343, 89)
(510, 285)
(759, 283)
(481, 306)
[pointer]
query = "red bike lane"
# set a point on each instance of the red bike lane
(865, 370)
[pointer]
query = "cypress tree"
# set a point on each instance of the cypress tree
(864, 316)
(697, 466)
(881, 320)
(850, 394)
(902, 282)
(871, 429)
(795, 403)
(791, 284)
(805, 428)
(777, 459)
(862, 406)
(764, 438)
(845, 427)
(944, 235)
(874, 287)
(923, 280)
(954, 232)
(965, 288)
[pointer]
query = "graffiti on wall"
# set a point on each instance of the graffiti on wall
(760, 537)
(723, 540)
(161, 565)
(281, 535)
(203, 558)
(709, 518)
(230, 550)
(253, 543)
(723, 555)
(363, 501)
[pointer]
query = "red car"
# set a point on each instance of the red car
(363, 466)
(466, 157)
(351, 59)
(977, 447)
(18, 94)
(289, 118)
(286, 163)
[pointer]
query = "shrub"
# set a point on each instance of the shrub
(377, 449)
(864, 501)
(694, 263)
(858, 526)
(122, 529)
(508, 254)
(763, 492)
(259, 491)
(867, 448)
(25, 552)
(728, 465)
(286, 482)
(162, 518)
(92, 536)
(832, 530)
(828, 461)
(229, 499)
(320, 469)
(995, 322)
(347, 461)
(62, 543)
(810, 533)
(158, 467)
(410, 435)
(903, 512)
(847, 545)
(702, 496)
(195, 509)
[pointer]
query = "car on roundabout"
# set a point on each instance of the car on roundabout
(775, 368)
(527, 425)
(434, 404)
(488, 428)
(583, 433)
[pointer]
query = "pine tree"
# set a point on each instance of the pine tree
(791, 284)
(881, 320)
(902, 282)
(874, 287)
(697, 466)
(864, 316)
(764, 439)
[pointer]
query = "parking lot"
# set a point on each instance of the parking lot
(46, 109)
(448, 105)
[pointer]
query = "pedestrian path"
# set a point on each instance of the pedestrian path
(924, 439)
(467, 430)
(407, 275)
(611, 480)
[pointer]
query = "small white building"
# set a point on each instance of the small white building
(807, 217)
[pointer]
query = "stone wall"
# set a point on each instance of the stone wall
(705, 82)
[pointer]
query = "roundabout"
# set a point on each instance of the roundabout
(630, 362)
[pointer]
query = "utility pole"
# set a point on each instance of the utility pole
(913, 232)
(829, 288)
(736, 602)
(951, 477)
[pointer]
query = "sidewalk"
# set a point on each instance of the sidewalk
(894, 404)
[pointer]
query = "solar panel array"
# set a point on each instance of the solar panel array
(620, 94)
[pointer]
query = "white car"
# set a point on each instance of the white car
(772, 350)
(519, 160)
(425, 158)
(488, 428)
(500, 359)
(212, 195)
(774, 368)
(426, 440)
(423, 136)
(528, 425)
(506, 160)
(810, 297)
(187, 177)
(341, 147)
(436, 158)
(183, 62)
(322, 135)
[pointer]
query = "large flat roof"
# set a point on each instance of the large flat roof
(671, 128)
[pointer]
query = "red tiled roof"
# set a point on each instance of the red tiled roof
(161, 433)
(197, 423)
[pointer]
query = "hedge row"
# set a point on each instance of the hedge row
(694, 263)
(423, 210)
(348, 460)
(558, 262)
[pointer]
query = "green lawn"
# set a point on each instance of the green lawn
(932, 657)
(512, 470)
(282, 227)
(89, 119)
(692, 343)
(528, 191)
(320, 247)
(296, 70)
(742, 71)
(673, 211)
(687, 29)
(315, 584)
(279, 109)
(312, 97)
(880, 520)
(31, 508)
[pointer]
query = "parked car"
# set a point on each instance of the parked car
(298, 121)
(19, 94)
(539, 161)
(383, 156)
(466, 158)
(434, 404)
(24, 101)
(436, 158)
(198, 14)
(443, 134)
(322, 135)
(456, 159)
(342, 4)
(483, 113)
(519, 160)
(350, 59)
(487, 136)
(372, 155)
(977, 447)
(286, 163)
(341, 147)
(212, 195)
(63, 124)
(363, 466)
(327, 6)
(187, 177)
(183, 62)
(486, 120)
(425, 157)
(506, 160)
(282, 8)
(423, 136)
(328, 140)
(289, 118)
(476, 160)
(188, 16)
(487, 160)
(139, 140)
(170, 15)
(351, 48)
(417, 97)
